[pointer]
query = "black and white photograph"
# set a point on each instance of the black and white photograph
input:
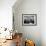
(29, 19)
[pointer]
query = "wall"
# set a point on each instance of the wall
(28, 7)
(43, 22)
(6, 13)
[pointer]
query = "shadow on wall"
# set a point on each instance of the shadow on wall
(17, 4)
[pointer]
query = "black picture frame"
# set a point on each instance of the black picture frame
(29, 19)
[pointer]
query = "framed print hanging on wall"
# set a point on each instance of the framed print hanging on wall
(29, 19)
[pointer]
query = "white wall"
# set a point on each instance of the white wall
(43, 22)
(6, 13)
(28, 7)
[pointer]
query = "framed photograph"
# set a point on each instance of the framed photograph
(29, 19)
